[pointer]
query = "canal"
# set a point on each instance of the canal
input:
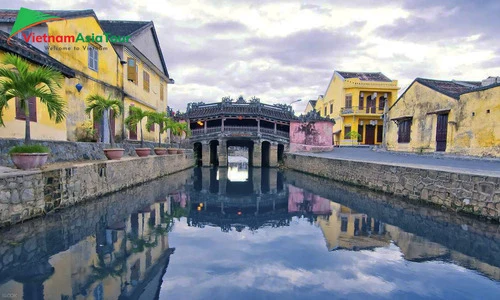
(243, 233)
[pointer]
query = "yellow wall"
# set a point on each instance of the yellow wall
(43, 129)
(148, 136)
(335, 94)
(478, 134)
(467, 134)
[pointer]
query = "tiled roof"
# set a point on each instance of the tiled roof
(117, 27)
(31, 53)
(313, 103)
(236, 109)
(449, 88)
(9, 15)
(365, 76)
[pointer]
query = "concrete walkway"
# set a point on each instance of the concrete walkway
(488, 167)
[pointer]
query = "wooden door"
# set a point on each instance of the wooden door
(370, 105)
(441, 132)
(369, 135)
(112, 122)
(133, 134)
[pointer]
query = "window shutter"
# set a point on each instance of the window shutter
(348, 101)
(161, 91)
(347, 130)
(132, 70)
(145, 80)
(32, 108)
(20, 115)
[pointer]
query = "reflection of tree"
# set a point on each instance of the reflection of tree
(139, 244)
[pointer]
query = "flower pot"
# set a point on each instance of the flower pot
(172, 151)
(114, 154)
(142, 152)
(160, 151)
(180, 151)
(27, 161)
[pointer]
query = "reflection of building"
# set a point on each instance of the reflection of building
(347, 229)
(120, 260)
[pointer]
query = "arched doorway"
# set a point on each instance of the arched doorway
(198, 153)
(266, 151)
(214, 157)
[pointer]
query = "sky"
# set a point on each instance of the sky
(281, 51)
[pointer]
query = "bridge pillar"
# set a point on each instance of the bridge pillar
(257, 181)
(205, 180)
(257, 154)
(273, 155)
(205, 154)
(222, 153)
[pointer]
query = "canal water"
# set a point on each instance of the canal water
(240, 233)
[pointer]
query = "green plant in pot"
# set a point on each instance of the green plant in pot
(98, 106)
(184, 132)
(354, 136)
(161, 119)
(19, 82)
(135, 117)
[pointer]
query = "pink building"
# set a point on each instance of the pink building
(311, 133)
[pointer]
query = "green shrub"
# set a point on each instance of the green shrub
(34, 148)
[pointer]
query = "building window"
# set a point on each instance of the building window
(325, 111)
(381, 103)
(380, 133)
(145, 81)
(161, 92)
(361, 100)
(331, 108)
(348, 101)
(152, 127)
(21, 115)
(347, 131)
(93, 58)
(132, 70)
(343, 224)
(404, 128)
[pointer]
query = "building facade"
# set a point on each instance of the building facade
(99, 67)
(356, 101)
(460, 117)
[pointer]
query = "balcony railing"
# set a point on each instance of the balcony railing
(361, 110)
(249, 129)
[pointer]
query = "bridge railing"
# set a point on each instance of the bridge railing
(250, 129)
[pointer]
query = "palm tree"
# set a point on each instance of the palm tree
(179, 128)
(18, 81)
(159, 118)
(135, 117)
(98, 106)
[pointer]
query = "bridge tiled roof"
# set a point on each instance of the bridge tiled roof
(202, 110)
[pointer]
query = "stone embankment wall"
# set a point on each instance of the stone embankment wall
(26, 194)
(70, 151)
(474, 194)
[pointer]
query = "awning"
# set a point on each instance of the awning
(440, 111)
(401, 118)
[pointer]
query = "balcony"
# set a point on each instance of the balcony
(357, 110)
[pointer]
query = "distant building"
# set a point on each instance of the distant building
(461, 117)
(356, 101)
(311, 104)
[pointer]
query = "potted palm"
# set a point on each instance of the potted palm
(98, 106)
(178, 130)
(135, 117)
(19, 81)
(174, 128)
(161, 119)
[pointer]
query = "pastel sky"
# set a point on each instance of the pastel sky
(281, 50)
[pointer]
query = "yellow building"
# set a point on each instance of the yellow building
(460, 117)
(145, 75)
(118, 58)
(42, 127)
(356, 101)
(311, 104)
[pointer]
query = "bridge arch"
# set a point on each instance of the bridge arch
(198, 153)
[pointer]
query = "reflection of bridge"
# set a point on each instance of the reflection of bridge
(259, 201)
(263, 129)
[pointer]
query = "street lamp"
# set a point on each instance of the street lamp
(295, 101)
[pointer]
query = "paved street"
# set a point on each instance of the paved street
(489, 167)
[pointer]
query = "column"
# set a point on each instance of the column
(205, 127)
(273, 180)
(258, 125)
(275, 128)
(257, 154)
(273, 155)
(205, 180)
(222, 153)
(205, 154)
(257, 181)
(222, 125)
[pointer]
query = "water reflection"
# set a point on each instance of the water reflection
(239, 232)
